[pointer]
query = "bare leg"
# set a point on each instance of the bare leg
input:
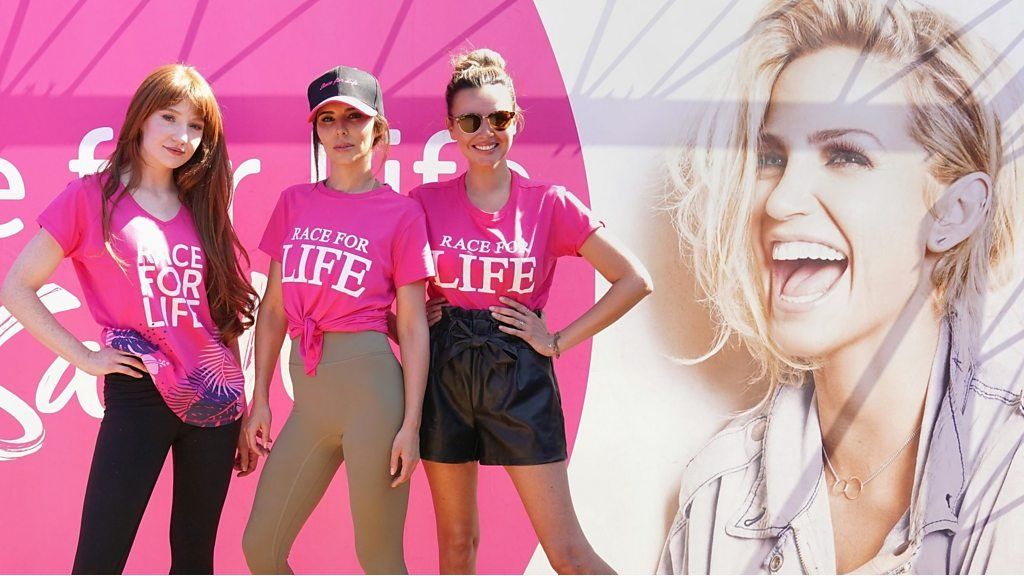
(453, 489)
(544, 490)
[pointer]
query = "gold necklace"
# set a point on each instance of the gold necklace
(852, 487)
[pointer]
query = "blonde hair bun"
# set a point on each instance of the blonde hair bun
(476, 69)
(481, 57)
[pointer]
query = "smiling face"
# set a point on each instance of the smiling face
(346, 134)
(171, 135)
(842, 215)
(487, 146)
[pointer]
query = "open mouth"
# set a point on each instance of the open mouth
(485, 147)
(806, 271)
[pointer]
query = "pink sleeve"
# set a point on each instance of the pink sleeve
(572, 223)
(410, 252)
(65, 218)
(276, 230)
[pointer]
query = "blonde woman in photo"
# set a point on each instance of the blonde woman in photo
(848, 219)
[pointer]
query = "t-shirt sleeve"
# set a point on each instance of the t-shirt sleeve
(572, 223)
(66, 218)
(410, 251)
(276, 230)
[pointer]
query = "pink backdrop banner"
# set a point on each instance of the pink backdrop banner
(67, 72)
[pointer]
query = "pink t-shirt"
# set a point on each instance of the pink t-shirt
(155, 307)
(342, 258)
(480, 256)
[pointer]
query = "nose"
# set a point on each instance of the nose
(485, 127)
(181, 135)
(793, 194)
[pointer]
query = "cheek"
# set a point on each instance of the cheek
(887, 238)
(367, 134)
(758, 217)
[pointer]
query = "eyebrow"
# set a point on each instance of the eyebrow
(826, 135)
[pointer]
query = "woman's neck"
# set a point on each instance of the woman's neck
(351, 179)
(870, 394)
(158, 181)
(488, 180)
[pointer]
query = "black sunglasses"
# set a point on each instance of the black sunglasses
(499, 120)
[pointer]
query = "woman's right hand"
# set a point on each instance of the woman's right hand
(109, 360)
(257, 428)
(434, 306)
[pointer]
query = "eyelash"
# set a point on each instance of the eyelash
(856, 156)
(355, 116)
(764, 154)
(841, 147)
(170, 118)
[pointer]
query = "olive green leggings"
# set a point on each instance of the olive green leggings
(350, 411)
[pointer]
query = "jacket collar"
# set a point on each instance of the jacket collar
(790, 479)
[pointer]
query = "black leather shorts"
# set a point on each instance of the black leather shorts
(490, 396)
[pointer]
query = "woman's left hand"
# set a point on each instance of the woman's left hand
(245, 457)
(524, 323)
(405, 455)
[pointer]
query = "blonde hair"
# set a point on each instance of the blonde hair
(476, 69)
(952, 80)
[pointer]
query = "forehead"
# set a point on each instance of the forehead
(335, 108)
(838, 86)
(483, 100)
(185, 108)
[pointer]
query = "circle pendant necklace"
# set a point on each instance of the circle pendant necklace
(852, 487)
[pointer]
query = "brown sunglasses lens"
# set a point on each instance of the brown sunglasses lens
(500, 120)
(469, 123)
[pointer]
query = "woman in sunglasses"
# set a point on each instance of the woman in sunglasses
(491, 392)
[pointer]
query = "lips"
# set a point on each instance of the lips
(485, 147)
(175, 151)
(805, 271)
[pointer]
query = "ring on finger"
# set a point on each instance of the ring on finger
(521, 324)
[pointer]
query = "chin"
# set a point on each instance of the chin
(803, 339)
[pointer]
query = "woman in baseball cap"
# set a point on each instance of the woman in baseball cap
(342, 251)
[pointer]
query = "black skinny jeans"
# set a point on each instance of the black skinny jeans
(136, 432)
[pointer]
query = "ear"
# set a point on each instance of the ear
(960, 210)
(449, 123)
(519, 123)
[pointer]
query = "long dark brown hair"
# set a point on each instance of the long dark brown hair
(204, 187)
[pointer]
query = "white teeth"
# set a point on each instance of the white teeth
(486, 148)
(805, 251)
(803, 299)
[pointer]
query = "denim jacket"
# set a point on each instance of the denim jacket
(755, 500)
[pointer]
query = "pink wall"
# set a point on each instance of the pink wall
(67, 68)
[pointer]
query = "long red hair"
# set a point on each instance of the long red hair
(204, 187)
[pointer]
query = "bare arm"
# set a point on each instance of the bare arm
(413, 338)
(33, 267)
(630, 283)
(271, 326)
